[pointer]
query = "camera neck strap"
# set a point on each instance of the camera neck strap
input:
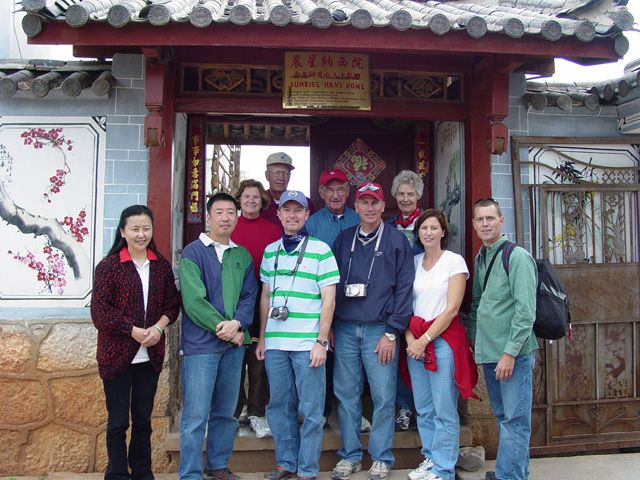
(375, 252)
(293, 272)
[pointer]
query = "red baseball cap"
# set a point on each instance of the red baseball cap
(369, 188)
(329, 175)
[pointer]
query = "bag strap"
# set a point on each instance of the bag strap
(493, 259)
(506, 254)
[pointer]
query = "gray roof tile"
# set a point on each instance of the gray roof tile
(550, 19)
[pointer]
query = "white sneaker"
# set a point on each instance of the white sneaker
(420, 472)
(378, 471)
(365, 426)
(403, 419)
(429, 475)
(260, 425)
(344, 469)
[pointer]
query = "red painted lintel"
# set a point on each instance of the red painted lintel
(273, 106)
(385, 39)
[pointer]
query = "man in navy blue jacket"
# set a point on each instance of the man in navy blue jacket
(373, 306)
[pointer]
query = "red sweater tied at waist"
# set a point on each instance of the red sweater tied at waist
(466, 371)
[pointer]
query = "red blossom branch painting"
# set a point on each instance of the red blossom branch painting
(39, 137)
(62, 239)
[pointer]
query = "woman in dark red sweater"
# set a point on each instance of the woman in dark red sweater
(254, 233)
(134, 299)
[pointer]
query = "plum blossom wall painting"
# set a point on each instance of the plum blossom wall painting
(51, 177)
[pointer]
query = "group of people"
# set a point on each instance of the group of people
(312, 305)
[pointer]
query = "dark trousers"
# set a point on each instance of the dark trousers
(134, 390)
(258, 394)
(328, 398)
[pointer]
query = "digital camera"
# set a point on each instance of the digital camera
(279, 313)
(355, 290)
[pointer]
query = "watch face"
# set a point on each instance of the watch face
(390, 336)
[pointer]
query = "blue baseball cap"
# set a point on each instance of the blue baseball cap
(294, 195)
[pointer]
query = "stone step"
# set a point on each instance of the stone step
(251, 454)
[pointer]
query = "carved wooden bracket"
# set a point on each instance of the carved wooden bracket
(154, 100)
(497, 109)
(498, 134)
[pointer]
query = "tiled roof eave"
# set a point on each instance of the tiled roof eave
(477, 18)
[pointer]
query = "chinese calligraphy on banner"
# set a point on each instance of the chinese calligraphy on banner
(195, 171)
(326, 80)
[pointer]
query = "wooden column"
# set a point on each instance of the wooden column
(489, 99)
(158, 134)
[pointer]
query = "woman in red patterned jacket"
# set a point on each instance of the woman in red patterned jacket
(134, 299)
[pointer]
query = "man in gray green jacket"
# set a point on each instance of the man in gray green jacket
(501, 331)
(218, 294)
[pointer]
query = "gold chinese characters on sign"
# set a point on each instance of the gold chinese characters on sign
(314, 80)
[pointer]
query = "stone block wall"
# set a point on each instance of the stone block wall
(53, 415)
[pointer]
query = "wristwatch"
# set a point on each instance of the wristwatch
(324, 343)
(390, 336)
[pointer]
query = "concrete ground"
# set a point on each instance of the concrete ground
(624, 466)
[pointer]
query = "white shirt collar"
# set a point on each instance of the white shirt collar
(207, 240)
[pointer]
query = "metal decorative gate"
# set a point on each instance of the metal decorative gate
(577, 203)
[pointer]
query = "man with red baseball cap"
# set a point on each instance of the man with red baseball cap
(327, 223)
(374, 300)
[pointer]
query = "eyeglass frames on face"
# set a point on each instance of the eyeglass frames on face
(279, 173)
(372, 188)
(340, 191)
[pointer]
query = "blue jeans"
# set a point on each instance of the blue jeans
(436, 398)
(511, 404)
(210, 385)
(354, 357)
(295, 387)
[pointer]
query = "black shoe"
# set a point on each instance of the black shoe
(278, 474)
(220, 474)
(490, 475)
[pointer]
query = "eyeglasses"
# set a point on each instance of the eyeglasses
(279, 173)
(370, 187)
(340, 191)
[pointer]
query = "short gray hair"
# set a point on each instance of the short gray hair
(410, 177)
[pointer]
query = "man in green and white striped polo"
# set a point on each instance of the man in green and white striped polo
(299, 274)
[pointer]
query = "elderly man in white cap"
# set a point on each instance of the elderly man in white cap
(279, 166)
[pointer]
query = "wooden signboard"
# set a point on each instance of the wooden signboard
(326, 80)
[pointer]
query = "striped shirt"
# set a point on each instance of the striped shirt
(301, 292)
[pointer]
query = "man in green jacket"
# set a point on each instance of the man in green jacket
(501, 331)
(218, 293)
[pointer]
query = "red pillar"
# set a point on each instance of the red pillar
(159, 90)
(489, 99)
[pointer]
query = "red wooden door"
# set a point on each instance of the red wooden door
(330, 139)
